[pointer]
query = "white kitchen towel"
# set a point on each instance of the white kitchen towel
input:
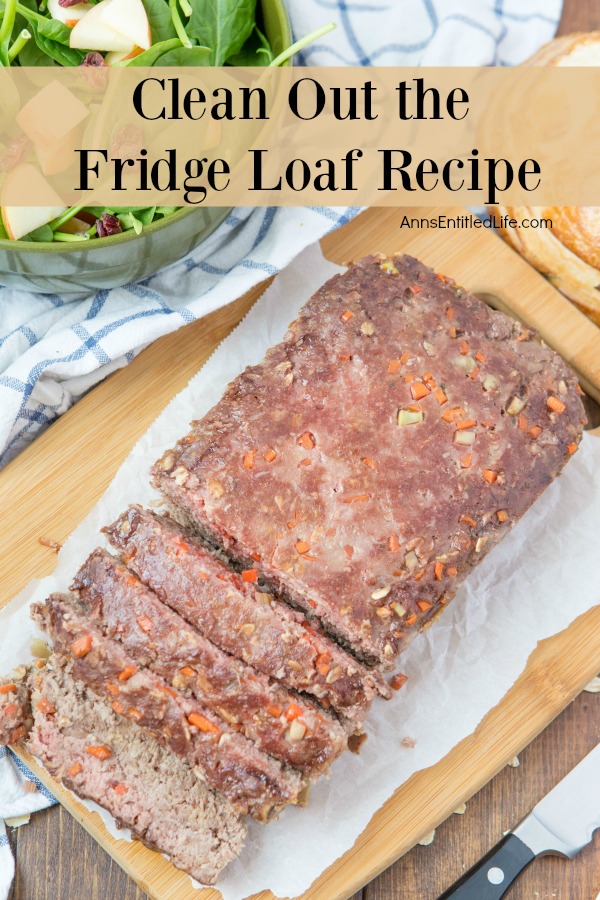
(54, 348)
(20, 793)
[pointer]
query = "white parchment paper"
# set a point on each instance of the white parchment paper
(537, 581)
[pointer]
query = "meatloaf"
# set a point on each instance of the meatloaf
(253, 782)
(379, 451)
(144, 786)
(156, 637)
(230, 610)
(15, 707)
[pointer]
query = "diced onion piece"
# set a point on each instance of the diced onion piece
(39, 648)
(515, 406)
(410, 416)
(381, 592)
(490, 383)
(399, 609)
(464, 437)
(465, 363)
(296, 731)
(411, 560)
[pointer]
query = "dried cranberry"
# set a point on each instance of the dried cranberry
(108, 225)
(90, 59)
(15, 153)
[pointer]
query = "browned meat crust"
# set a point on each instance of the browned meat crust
(15, 707)
(144, 786)
(380, 451)
(127, 611)
(247, 623)
(253, 782)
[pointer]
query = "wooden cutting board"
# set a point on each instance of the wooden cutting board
(53, 484)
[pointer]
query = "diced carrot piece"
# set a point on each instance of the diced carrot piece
(118, 707)
(250, 576)
(462, 424)
(572, 447)
(202, 723)
(188, 671)
(302, 547)
(75, 769)
(466, 461)
(502, 515)
(349, 551)
(369, 462)
(346, 315)
(535, 431)
(322, 667)
(126, 673)
(307, 440)
(7, 688)
(112, 689)
(523, 422)
(452, 331)
(489, 475)
(270, 455)
(11, 709)
(121, 789)
(249, 459)
(145, 624)
(397, 681)
(100, 751)
(451, 570)
(274, 710)
(424, 605)
(393, 366)
(415, 289)
(439, 570)
(467, 520)
(411, 620)
(463, 347)
(82, 646)
(293, 711)
(555, 404)
(418, 390)
(440, 396)
(46, 707)
(451, 414)
(450, 313)
(480, 357)
(393, 543)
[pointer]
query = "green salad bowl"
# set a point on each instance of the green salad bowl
(109, 262)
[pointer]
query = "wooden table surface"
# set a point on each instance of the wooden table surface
(58, 860)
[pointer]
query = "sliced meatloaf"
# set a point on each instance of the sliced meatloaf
(15, 707)
(155, 636)
(144, 786)
(253, 782)
(230, 610)
(379, 451)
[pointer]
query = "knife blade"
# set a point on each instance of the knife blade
(561, 824)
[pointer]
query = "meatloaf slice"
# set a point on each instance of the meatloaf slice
(253, 782)
(155, 636)
(379, 451)
(144, 786)
(245, 622)
(15, 707)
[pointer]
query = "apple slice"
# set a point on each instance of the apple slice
(113, 58)
(129, 19)
(25, 180)
(92, 33)
(67, 15)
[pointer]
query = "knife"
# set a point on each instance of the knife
(561, 824)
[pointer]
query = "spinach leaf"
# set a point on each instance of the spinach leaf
(159, 17)
(222, 25)
(186, 56)
(255, 52)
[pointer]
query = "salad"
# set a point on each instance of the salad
(119, 33)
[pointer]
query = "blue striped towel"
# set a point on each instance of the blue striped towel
(53, 348)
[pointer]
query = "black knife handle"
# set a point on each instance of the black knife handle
(490, 878)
